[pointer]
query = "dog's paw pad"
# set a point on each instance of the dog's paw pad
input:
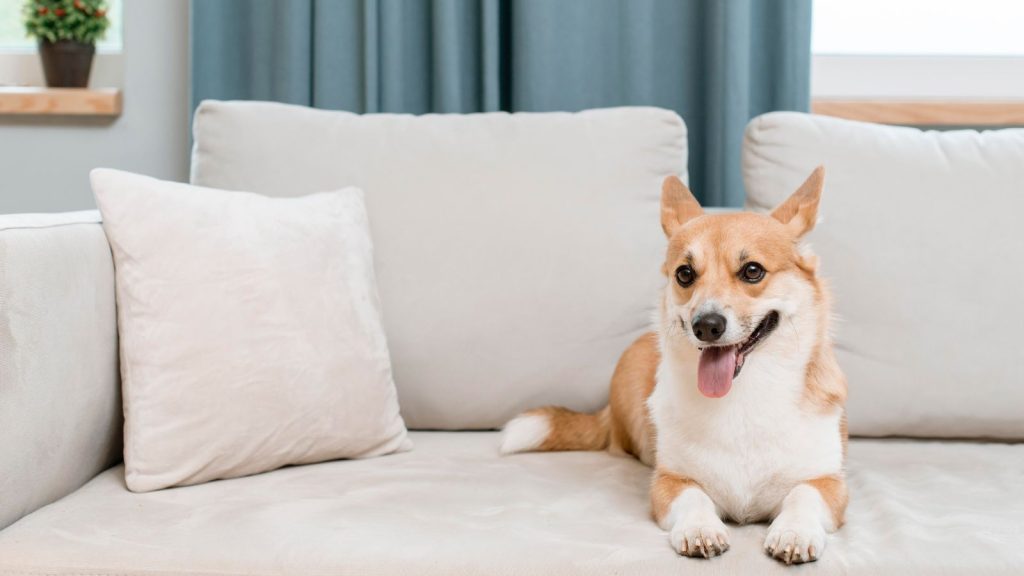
(700, 540)
(795, 543)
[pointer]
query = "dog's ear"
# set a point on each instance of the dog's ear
(800, 211)
(678, 206)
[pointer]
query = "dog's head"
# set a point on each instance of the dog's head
(734, 278)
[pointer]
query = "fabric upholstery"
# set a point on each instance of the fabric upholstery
(454, 507)
(60, 402)
(920, 236)
(517, 255)
(250, 330)
(717, 63)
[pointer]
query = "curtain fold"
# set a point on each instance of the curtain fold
(717, 63)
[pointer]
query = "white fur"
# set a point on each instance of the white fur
(694, 526)
(798, 534)
(750, 448)
(525, 433)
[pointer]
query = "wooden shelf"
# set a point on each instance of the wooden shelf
(33, 101)
(925, 112)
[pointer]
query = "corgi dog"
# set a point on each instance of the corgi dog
(735, 399)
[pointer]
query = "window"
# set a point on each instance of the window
(918, 49)
(919, 27)
(19, 61)
(12, 31)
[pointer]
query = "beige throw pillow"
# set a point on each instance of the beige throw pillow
(250, 330)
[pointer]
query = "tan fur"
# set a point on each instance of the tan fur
(632, 382)
(678, 205)
(573, 430)
(826, 385)
(799, 211)
(665, 487)
(833, 491)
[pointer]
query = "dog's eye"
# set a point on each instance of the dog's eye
(752, 272)
(685, 275)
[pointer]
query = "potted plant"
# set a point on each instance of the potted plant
(67, 31)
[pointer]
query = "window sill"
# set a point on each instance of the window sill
(60, 101)
(924, 112)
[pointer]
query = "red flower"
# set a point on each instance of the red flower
(59, 12)
(101, 13)
(79, 5)
(42, 10)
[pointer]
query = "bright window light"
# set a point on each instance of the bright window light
(12, 31)
(919, 27)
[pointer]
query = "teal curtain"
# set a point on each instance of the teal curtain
(717, 63)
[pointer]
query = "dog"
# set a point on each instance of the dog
(735, 399)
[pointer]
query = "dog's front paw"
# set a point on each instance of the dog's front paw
(701, 536)
(795, 541)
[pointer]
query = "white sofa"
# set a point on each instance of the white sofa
(517, 255)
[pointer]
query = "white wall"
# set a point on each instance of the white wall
(45, 162)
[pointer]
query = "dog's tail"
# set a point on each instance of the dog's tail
(554, 428)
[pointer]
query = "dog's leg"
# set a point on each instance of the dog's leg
(680, 506)
(810, 511)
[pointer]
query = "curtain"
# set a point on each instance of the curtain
(717, 63)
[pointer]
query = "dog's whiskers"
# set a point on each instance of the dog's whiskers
(795, 331)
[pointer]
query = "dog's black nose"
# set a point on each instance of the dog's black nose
(709, 327)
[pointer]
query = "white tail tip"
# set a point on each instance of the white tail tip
(525, 433)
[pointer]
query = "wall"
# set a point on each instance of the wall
(45, 162)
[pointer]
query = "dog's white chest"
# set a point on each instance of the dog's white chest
(750, 448)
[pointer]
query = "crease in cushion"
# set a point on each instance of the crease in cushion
(250, 328)
(518, 255)
(920, 235)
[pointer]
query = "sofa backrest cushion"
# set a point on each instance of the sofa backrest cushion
(921, 237)
(60, 400)
(517, 254)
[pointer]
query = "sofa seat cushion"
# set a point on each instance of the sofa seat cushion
(453, 506)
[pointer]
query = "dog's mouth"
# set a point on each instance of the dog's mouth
(720, 365)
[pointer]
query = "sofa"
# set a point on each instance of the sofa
(517, 255)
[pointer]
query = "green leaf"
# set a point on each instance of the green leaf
(79, 25)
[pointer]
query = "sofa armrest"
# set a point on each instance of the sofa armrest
(60, 404)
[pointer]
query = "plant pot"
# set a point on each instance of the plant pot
(66, 63)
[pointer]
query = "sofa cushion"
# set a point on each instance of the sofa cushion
(60, 399)
(921, 237)
(517, 254)
(250, 330)
(453, 506)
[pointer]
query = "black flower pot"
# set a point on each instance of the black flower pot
(66, 63)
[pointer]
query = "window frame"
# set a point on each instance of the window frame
(972, 91)
(974, 78)
(23, 68)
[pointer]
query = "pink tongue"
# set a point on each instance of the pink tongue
(714, 373)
